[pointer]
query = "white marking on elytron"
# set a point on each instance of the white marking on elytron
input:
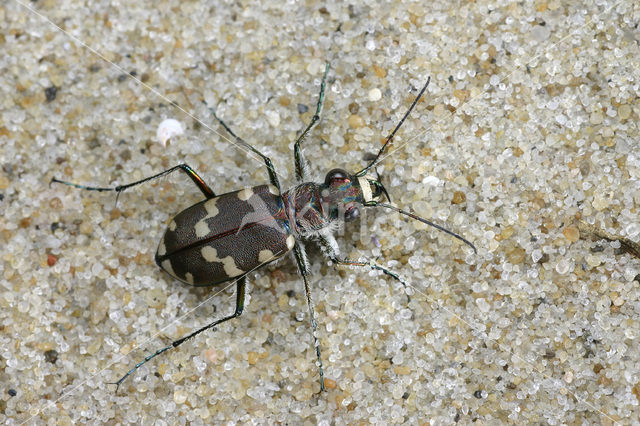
(291, 241)
(245, 194)
(228, 263)
(189, 278)
(162, 249)
(366, 189)
(202, 227)
(172, 225)
(273, 190)
(166, 265)
(265, 256)
(211, 208)
(210, 254)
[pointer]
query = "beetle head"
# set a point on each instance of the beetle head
(343, 193)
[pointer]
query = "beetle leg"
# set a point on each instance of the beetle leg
(200, 183)
(240, 293)
(372, 265)
(301, 260)
(273, 177)
(329, 244)
(301, 164)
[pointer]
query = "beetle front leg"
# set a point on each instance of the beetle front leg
(297, 151)
(240, 293)
(331, 249)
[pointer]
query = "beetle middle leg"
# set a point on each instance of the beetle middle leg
(273, 177)
(297, 151)
(240, 294)
(301, 260)
(200, 183)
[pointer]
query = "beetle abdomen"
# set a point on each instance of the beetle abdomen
(225, 237)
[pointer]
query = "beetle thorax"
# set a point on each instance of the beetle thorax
(312, 207)
(305, 209)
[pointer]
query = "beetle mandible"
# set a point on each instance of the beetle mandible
(224, 237)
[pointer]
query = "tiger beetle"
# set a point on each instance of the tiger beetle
(224, 237)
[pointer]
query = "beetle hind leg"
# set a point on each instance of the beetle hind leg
(200, 183)
(240, 294)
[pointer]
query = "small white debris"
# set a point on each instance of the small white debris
(375, 95)
(431, 180)
(273, 118)
(168, 129)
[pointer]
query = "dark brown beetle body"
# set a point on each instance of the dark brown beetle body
(226, 236)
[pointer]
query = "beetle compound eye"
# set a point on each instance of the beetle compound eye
(351, 214)
(336, 174)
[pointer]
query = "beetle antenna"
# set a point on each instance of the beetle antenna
(425, 221)
(390, 137)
